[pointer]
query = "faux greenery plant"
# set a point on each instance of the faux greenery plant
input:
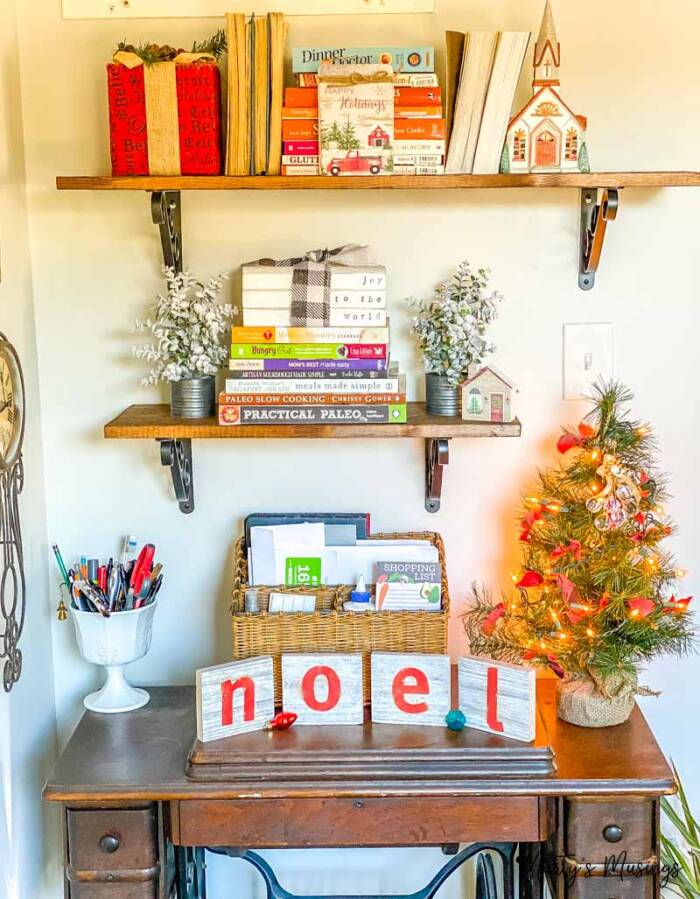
(450, 326)
(187, 325)
(681, 826)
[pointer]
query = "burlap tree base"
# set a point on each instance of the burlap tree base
(590, 703)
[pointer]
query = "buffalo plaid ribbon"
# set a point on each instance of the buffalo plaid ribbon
(311, 282)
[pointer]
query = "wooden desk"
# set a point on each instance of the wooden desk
(133, 817)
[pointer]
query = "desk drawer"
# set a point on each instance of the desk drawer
(611, 888)
(596, 830)
(394, 821)
(113, 891)
(112, 839)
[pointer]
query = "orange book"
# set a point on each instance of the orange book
(299, 112)
(418, 112)
(301, 96)
(300, 129)
(310, 399)
(413, 96)
(419, 129)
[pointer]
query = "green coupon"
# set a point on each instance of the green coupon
(302, 572)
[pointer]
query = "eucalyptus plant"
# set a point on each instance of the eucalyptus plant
(189, 329)
(450, 326)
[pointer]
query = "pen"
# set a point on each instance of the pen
(61, 565)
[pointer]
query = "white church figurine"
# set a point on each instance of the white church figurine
(546, 136)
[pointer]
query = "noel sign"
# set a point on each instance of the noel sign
(326, 689)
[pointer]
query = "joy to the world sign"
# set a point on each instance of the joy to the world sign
(326, 688)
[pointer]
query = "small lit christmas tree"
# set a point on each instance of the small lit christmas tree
(595, 598)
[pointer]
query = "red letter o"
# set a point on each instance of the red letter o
(308, 688)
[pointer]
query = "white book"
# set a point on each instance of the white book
(300, 160)
(267, 318)
(416, 79)
(266, 299)
(266, 277)
(417, 159)
(419, 169)
(257, 386)
(357, 277)
(351, 316)
(507, 66)
(477, 64)
(358, 299)
(300, 169)
(436, 147)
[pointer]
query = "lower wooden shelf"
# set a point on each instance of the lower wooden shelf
(175, 436)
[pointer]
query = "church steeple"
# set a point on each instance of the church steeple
(547, 52)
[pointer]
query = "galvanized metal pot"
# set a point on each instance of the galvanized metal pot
(193, 397)
(440, 398)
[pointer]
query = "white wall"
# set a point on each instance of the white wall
(96, 261)
(29, 831)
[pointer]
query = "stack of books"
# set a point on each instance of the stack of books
(256, 47)
(340, 374)
(419, 122)
(483, 68)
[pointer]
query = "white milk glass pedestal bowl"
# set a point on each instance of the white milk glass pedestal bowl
(113, 643)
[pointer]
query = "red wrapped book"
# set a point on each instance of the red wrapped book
(165, 117)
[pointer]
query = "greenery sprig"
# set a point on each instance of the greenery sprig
(152, 53)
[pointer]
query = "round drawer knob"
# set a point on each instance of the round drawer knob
(613, 833)
(109, 843)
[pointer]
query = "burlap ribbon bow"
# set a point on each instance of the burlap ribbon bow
(311, 281)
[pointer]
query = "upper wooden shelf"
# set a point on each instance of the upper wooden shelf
(156, 422)
(610, 180)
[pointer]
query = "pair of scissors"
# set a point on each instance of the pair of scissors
(141, 569)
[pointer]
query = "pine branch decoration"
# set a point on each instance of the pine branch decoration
(152, 53)
(597, 595)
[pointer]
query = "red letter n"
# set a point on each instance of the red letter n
(228, 688)
(402, 688)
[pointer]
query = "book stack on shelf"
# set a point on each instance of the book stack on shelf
(419, 123)
(335, 374)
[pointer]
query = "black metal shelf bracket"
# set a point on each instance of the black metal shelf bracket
(595, 216)
(177, 455)
(437, 455)
(166, 212)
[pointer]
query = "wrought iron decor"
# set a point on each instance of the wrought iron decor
(12, 583)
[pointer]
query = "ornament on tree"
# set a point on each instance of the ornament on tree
(594, 599)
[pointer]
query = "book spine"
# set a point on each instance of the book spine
(292, 160)
(375, 317)
(277, 318)
(296, 385)
(299, 112)
(308, 335)
(301, 96)
(270, 377)
(310, 399)
(419, 129)
(297, 415)
(268, 299)
(358, 299)
(417, 159)
(436, 147)
(318, 366)
(419, 169)
(415, 59)
(417, 96)
(357, 280)
(300, 170)
(416, 79)
(127, 108)
(418, 112)
(300, 148)
(308, 351)
(300, 129)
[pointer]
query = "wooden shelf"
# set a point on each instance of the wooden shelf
(156, 422)
(601, 180)
(175, 436)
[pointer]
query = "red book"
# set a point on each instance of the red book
(416, 96)
(300, 148)
(301, 96)
(299, 112)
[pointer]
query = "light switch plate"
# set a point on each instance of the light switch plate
(588, 357)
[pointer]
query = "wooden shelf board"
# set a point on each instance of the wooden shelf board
(379, 182)
(155, 421)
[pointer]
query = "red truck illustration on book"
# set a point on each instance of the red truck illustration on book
(354, 161)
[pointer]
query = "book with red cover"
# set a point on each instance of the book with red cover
(416, 96)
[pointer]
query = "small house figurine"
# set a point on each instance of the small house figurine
(486, 396)
(546, 136)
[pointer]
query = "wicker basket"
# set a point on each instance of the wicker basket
(329, 628)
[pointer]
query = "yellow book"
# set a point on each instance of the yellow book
(238, 131)
(260, 95)
(277, 38)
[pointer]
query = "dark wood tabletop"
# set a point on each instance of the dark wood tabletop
(144, 755)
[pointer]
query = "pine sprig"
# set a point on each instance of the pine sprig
(152, 53)
(601, 594)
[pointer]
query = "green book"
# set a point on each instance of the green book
(308, 351)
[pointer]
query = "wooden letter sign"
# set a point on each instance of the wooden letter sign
(410, 688)
(234, 698)
(498, 697)
(323, 688)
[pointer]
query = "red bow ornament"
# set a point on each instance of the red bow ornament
(573, 547)
(488, 625)
(678, 606)
(570, 440)
(530, 579)
(640, 606)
